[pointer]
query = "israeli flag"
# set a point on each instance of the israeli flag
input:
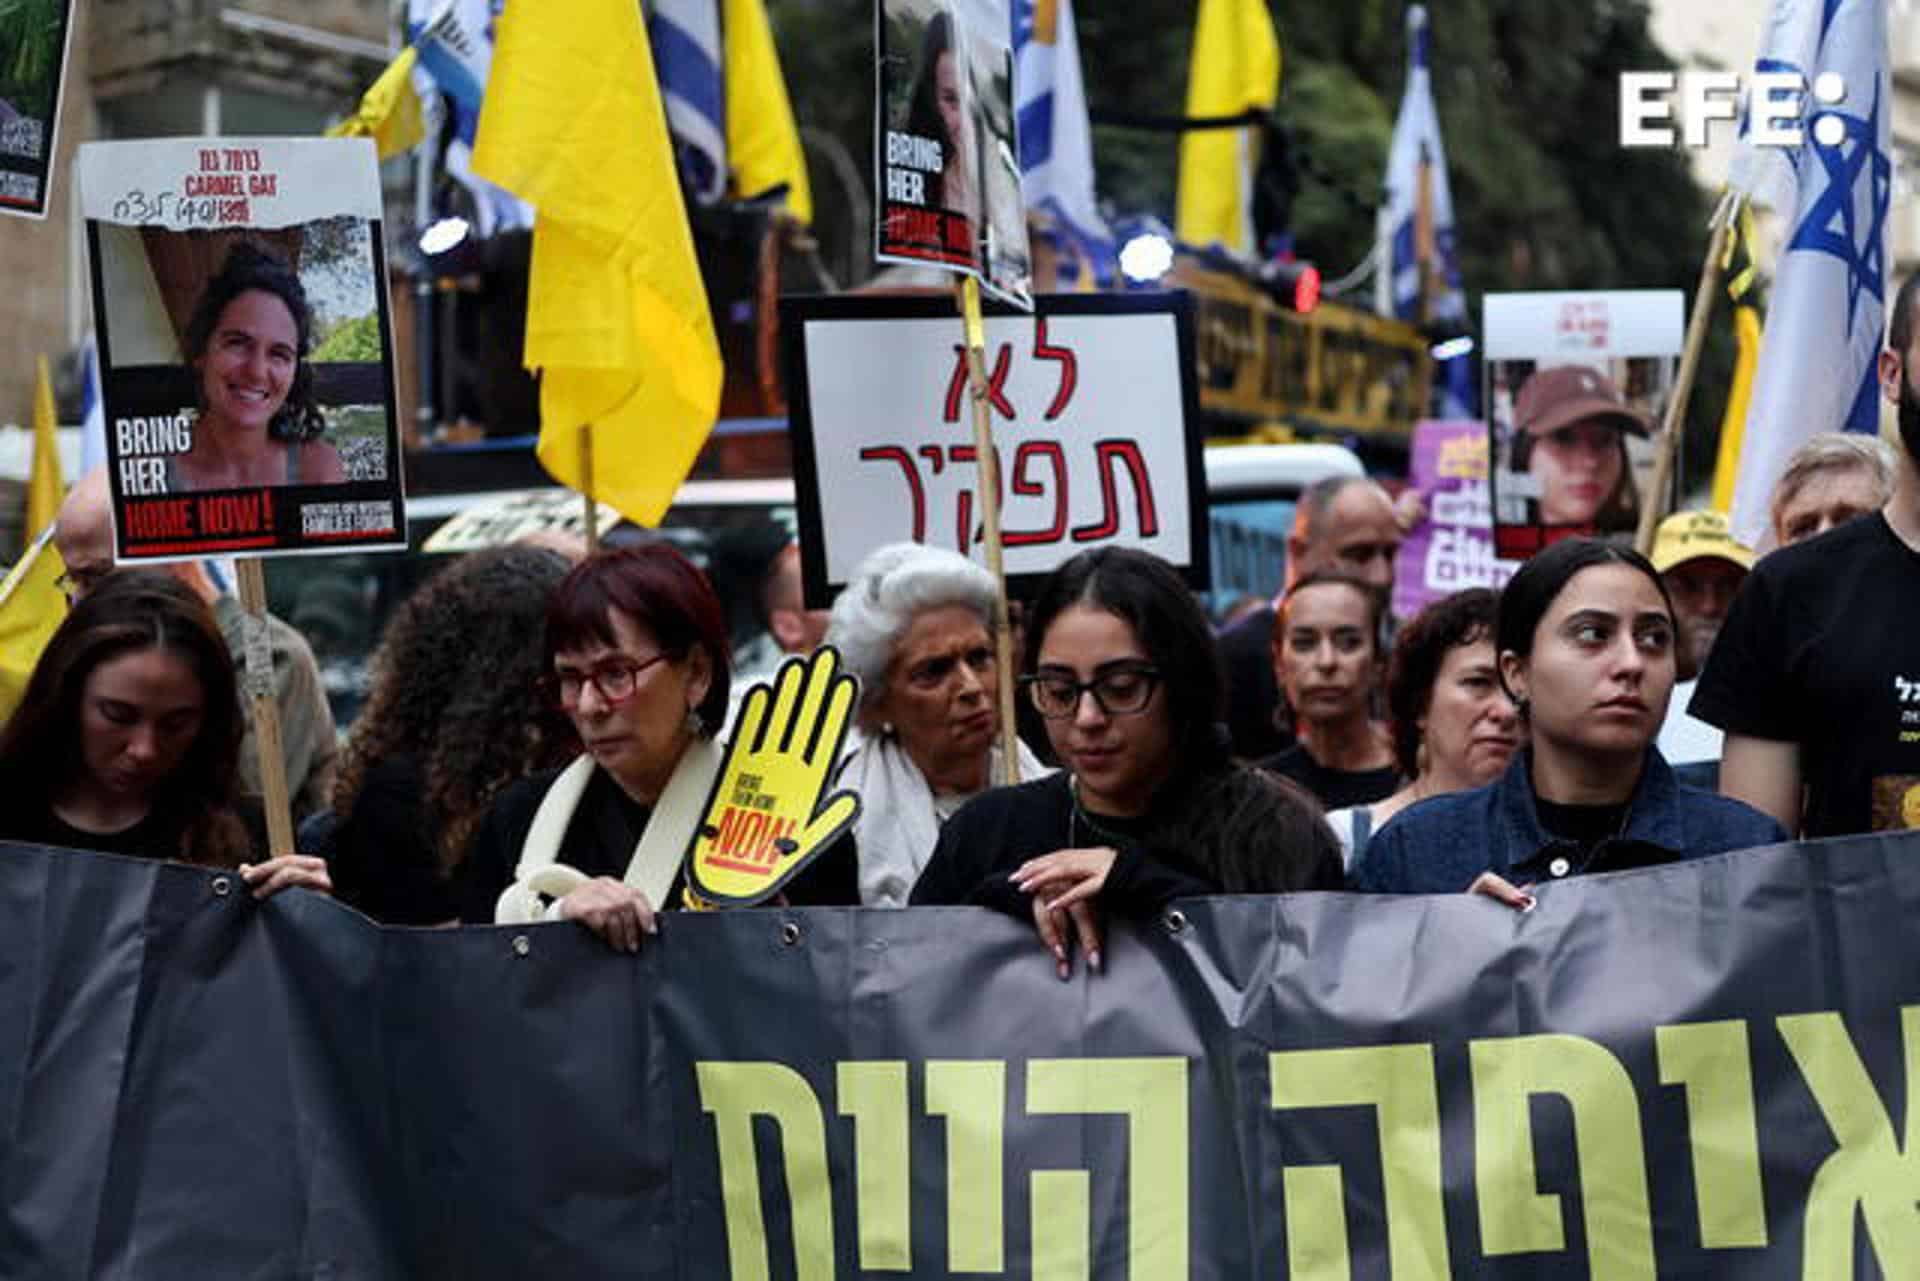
(688, 59)
(454, 39)
(1416, 139)
(1816, 370)
(1056, 139)
(93, 416)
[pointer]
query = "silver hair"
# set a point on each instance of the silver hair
(891, 586)
(1834, 451)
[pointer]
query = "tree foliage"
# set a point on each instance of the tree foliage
(1527, 91)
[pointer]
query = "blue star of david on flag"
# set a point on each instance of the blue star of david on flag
(1816, 370)
(1832, 223)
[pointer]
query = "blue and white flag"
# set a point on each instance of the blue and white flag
(1416, 139)
(455, 43)
(93, 417)
(1056, 140)
(1823, 336)
(689, 59)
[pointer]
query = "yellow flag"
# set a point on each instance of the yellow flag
(1235, 68)
(45, 487)
(763, 143)
(31, 608)
(389, 111)
(617, 317)
(1733, 424)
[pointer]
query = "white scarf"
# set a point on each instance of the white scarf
(656, 859)
(899, 824)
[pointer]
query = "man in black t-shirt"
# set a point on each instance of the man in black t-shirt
(1816, 675)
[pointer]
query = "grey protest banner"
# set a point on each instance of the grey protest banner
(1695, 1070)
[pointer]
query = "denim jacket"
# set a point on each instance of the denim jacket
(1440, 845)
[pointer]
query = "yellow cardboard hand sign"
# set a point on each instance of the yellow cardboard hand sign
(770, 813)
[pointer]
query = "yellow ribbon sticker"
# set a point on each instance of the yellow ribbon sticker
(771, 812)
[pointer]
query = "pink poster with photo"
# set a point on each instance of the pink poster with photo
(1451, 548)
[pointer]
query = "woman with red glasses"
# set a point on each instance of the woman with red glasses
(1150, 806)
(636, 657)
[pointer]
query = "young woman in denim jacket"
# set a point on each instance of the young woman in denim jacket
(1586, 649)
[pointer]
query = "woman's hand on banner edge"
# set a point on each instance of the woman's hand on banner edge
(287, 872)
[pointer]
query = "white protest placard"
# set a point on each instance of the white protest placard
(1094, 422)
(1576, 385)
(246, 345)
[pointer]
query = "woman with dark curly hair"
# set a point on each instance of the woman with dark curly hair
(1150, 806)
(247, 343)
(455, 716)
(1454, 727)
(127, 739)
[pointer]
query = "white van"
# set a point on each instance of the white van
(342, 602)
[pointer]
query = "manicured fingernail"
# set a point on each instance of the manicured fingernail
(1093, 959)
(1528, 903)
(1065, 972)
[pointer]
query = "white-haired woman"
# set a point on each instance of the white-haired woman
(914, 625)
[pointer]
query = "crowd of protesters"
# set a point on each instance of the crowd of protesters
(544, 728)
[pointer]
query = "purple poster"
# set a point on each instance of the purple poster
(1451, 547)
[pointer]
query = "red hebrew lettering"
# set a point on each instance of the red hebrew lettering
(963, 504)
(996, 384)
(936, 457)
(997, 381)
(1029, 451)
(956, 385)
(895, 454)
(1069, 368)
(1105, 454)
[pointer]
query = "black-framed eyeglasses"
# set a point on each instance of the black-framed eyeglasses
(1121, 690)
(614, 678)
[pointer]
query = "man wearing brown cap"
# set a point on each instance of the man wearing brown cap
(1570, 425)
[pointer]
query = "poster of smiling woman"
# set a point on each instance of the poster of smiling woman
(245, 345)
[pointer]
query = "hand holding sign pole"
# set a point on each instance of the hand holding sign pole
(771, 812)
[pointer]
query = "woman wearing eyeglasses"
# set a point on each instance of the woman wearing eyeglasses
(636, 651)
(1149, 806)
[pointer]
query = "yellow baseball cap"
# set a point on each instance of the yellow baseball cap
(1686, 536)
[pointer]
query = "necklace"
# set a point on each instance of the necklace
(1078, 815)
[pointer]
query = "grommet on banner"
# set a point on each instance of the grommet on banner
(1176, 921)
(222, 886)
(789, 932)
(522, 945)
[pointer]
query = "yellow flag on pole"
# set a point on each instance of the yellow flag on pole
(1733, 424)
(1235, 68)
(617, 318)
(45, 487)
(31, 608)
(763, 143)
(389, 112)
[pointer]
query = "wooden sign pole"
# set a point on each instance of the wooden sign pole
(258, 684)
(586, 488)
(1668, 446)
(989, 492)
